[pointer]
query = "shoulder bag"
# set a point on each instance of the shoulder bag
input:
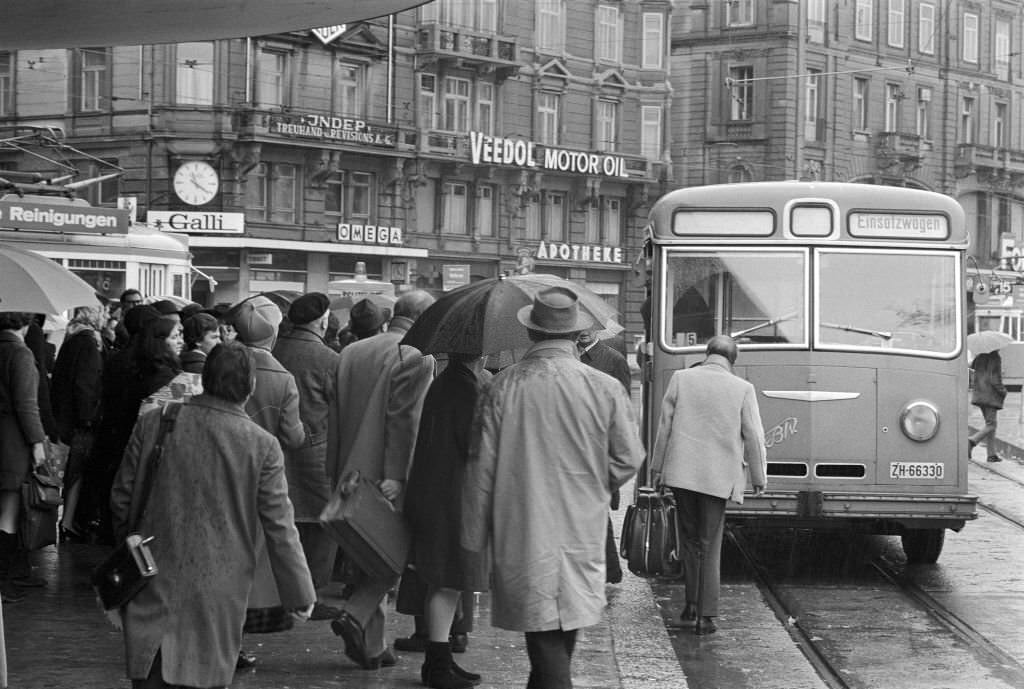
(650, 535)
(130, 567)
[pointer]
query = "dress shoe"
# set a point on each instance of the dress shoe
(9, 593)
(414, 643)
(613, 576)
(459, 642)
(245, 660)
(322, 611)
(351, 632)
(689, 613)
(385, 659)
(994, 458)
(705, 626)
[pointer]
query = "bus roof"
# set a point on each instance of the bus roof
(763, 210)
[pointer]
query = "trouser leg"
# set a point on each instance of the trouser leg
(613, 568)
(367, 606)
(702, 525)
(550, 654)
(319, 549)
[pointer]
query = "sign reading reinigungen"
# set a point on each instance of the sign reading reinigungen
(66, 216)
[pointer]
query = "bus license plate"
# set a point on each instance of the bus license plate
(914, 470)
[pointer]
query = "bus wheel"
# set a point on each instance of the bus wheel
(923, 546)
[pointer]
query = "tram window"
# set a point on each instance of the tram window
(758, 298)
(903, 301)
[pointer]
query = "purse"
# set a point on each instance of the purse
(367, 527)
(40, 498)
(650, 535)
(131, 566)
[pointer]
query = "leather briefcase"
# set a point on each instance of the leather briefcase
(367, 527)
(650, 535)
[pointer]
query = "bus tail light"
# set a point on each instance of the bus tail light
(919, 421)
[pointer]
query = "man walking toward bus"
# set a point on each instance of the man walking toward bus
(709, 437)
(988, 395)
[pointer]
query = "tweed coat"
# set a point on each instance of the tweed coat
(219, 489)
(552, 439)
(314, 366)
(20, 425)
(372, 423)
(710, 433)
(604, 358)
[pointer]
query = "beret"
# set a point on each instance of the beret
(365, 317)
(308, 308)
(166, 307)
(137, 317)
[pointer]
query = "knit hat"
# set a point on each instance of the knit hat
(308, 308)
(255, 320)
(365, 317)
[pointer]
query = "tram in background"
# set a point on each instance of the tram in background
(847, 303)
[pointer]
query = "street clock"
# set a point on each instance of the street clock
(196, 182)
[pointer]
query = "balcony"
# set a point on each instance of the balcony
(995, 166)
(463, 48)
(900, 148)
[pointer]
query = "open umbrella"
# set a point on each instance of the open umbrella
(480, 318)
(32, 283)
(987, 341)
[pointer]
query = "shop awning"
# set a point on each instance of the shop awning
(36, 24)
(314, 247)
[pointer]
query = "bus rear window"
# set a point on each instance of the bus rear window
(722, 223)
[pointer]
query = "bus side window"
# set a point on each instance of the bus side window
(692, 318)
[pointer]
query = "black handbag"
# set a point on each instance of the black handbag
(650, 535)
(130, 567)
(40, 498)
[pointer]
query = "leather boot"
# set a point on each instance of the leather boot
(8, 549)
(437, 671)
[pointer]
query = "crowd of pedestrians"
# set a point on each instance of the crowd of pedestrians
(505, 477)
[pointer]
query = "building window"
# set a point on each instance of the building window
(999, 125)
(349, 195)
(607, 125)
(739, 12)
(924, 112)
(480, 14)
(966, 132)
(6, 83)
(611, 221)
(812, 105)
(454, 207)
(863, 20)
(348, 87)
(893, 97)
(93, 80)
(271, 76)
(428, 100)
(484, 107)
(816, 20)
(456, 104)
(100, 193)
(926, 28)
(484, 212)
(532, 216)
(860, 104)
(741, 93)
(550, 26)
(194, 73)
(970, 37)
(592, 231)
(650, 132)
(896, 23)
(547, 118)
(554, 216)
(653, 47)
(1002, 48)
(271, 193)
(609, 34)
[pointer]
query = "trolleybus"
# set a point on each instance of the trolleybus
(846, 301)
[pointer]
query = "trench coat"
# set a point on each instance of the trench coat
(989, 390)
(314, 366)
(20, 424)
(433, 507)
(373, 421)
(710, 433)
(553, 438)
(220, 488)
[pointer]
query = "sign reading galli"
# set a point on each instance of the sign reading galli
(333, 128)
(60, 215)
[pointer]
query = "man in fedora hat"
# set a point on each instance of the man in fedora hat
(554, 438)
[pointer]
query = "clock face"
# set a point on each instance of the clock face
(196, 182)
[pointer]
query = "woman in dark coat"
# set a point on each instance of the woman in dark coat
(21, 435)
(433, 510)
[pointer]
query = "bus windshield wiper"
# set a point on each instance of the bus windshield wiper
(880, 334)
(765, 324)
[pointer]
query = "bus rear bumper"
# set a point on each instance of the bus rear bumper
(876, 512)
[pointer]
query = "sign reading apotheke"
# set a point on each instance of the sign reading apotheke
(520, 153)
(555, 251)
(333, 128)
(192, 221)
